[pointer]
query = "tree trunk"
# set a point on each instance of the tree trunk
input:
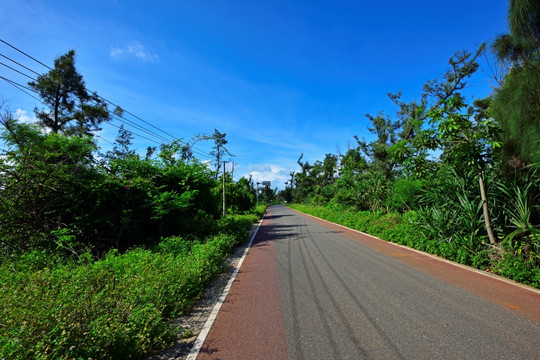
(492, 240)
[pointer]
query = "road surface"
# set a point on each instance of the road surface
(313, 290)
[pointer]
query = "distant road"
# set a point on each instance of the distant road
(313, 290)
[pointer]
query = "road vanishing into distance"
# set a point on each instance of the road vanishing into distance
(309, 290)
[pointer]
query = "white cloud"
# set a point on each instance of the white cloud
(276, 174)
(22, 115)
(208, 164)
(134, 49)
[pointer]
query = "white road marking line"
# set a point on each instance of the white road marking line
(210, 321)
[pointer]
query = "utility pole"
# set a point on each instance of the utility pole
(257, 192)
(224, 207)
(232, 171)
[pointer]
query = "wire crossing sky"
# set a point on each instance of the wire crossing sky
(115, 115)
(281, 78)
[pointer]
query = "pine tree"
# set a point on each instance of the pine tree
(71, 109)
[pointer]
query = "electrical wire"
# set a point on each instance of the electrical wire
(25, 54)
(118, 118)
(134, 133)
(104, 99)
(102, 138)
(21, 65)
(139, 127)
(20, 72)
(20, 87)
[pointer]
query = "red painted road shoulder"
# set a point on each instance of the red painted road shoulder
(515, 297)
(250, 322)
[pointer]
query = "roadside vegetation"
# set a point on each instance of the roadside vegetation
(449, 175)
(119, 306)
(99, 252)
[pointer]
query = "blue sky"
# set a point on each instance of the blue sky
(281, 78)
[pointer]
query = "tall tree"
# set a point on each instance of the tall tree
(329, 170)
(378, 150)
(467, 137)
(516, 105)
(219, 149)
(522, 45)
(122, 144)
(413, 139)
(42, 179)
(71, 109)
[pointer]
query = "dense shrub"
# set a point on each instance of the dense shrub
(117, 307)
(514, 267)
(405, 194)
(54, 187)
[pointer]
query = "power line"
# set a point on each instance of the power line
(119, 118)
(139, 135)
(101, 97)
(102, 138)
(116, 117)
(20, 87)
(20, 72)
(25, 54)
(137, 126)
(135, 116)
(21, 65)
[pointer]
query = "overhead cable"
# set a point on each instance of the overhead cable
(117, 117)
(101, 97)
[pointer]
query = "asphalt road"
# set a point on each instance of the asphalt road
(310, 290)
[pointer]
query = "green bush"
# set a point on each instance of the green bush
(237, 225)
(406, 193)
(515, 268)
(118, 307)
(260, 210)
(128, 200)
(175, 245)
